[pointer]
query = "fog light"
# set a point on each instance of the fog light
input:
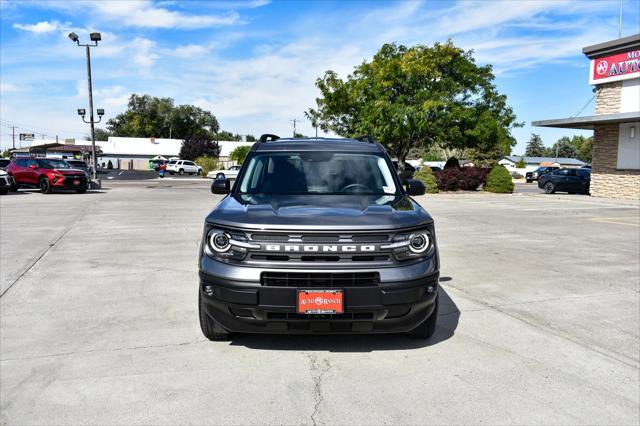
(430, 289)
(208, 290)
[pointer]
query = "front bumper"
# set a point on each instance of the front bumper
(70, 183)
(388, 307)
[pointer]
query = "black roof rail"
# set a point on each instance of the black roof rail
(365, 138)
(268, 137)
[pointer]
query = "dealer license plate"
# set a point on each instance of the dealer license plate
(320, 302)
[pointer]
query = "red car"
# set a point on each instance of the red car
(48, 174)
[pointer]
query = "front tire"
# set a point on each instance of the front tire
(45, 185)
(4, 191)
(180, 172)
(549, 188)
(199, 172)
(428, 327)
(210, 328)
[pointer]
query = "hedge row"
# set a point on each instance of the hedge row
(497, 179)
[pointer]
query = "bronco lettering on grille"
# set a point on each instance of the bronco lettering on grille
(320, 248)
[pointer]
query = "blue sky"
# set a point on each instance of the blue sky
(254, 63)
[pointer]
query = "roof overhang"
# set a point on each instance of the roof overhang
(611, 47)
(589, 122)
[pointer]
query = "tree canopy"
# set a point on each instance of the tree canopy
(147, 116)
(575, 147)
(239, 153)
(419, 96)
(535, 147)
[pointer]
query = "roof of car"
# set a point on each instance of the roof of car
(318, 144)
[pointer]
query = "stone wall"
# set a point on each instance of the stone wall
(615, 186)
(608, 98)
(606, 179)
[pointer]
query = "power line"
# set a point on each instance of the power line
(585, 105)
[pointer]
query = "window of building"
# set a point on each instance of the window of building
(629, 147)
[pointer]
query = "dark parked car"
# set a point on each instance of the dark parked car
(4, 162)
(535, 175)
(566, 180)
(318, 236)
(80, 165)
(409, 170)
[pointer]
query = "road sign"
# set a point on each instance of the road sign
(26, 136)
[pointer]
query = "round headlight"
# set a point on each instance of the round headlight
(219, 241)
(419, 243)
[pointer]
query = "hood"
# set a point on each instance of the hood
(319, 212)
(2, 172)
(70, 171)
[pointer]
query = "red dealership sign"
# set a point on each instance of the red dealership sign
(615, 67)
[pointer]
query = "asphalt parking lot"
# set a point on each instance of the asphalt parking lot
(98, 320)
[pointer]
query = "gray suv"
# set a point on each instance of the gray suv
(318, 236)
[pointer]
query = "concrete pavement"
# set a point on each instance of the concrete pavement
(98, 320)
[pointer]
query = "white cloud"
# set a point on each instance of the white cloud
(40, 28)
(189, 51)
(144, 52)
(145, 14)
(12, 88)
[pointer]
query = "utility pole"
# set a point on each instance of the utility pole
(557, 147)
(620, 27)
(13, 136)
(294, 121)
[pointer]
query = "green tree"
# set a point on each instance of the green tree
(101, 135)
(147, 116)
(199, 146)
(535, 147)
(564, 148)
(585, 150)
(6, 154)
(499, 181)
(582, 147)
(521, 164)
(239, 153)
(251, 138)
(418, 96)
(223, 135)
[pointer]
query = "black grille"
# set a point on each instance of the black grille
(323, 280)
(307, 317)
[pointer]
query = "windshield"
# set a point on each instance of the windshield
(322, 172)
(53, 164)
(80, 164)
(172, 162)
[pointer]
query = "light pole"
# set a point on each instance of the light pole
(95, 38)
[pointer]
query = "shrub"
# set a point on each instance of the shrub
(239, 153)
(207, 163)
(499, 181)
(425, 175)
(461, 178)
(521, 164)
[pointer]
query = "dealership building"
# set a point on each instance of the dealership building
(615, 73)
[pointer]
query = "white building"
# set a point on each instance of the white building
(135, 153)
(532, 163)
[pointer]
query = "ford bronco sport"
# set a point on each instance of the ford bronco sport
(318, 236)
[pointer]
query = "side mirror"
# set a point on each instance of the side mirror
(33, 166)
(414, 187)
(221, 186)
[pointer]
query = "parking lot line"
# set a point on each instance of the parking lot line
(617, 220)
